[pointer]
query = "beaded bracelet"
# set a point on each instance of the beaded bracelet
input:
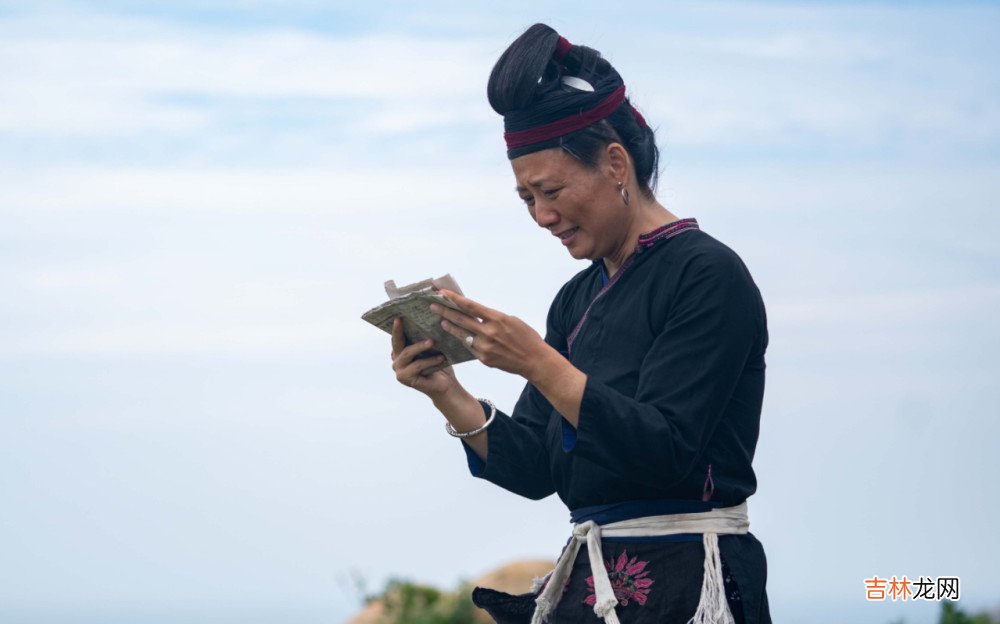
(468, 434)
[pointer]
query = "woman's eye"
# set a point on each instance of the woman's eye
(551, 194)
(530, 201)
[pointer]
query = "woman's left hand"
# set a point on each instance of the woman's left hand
(498, 340)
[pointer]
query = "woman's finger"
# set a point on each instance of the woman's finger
(415, 369)
(398, 337)
(461, 319)
(410, 353)
(470, 307)
(457, 331)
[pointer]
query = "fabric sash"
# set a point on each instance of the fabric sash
(712, 606)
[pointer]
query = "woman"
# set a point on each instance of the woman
(642, 403)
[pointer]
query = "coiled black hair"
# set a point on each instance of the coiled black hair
(526, 87)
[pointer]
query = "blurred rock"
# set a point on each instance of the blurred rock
(515, 577)
(371, 614)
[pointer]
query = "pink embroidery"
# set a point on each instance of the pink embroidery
(628, 580)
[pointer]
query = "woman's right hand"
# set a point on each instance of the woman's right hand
(409, 368)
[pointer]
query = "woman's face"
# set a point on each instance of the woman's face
(578, 204)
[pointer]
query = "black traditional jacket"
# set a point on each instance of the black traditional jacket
(673, 348)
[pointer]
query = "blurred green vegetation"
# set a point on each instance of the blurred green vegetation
(951, 614)
(405, 602)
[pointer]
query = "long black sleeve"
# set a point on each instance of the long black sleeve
(518, 458)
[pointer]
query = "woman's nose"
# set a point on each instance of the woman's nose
(544, 216)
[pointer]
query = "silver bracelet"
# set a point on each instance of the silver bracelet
(468, 434)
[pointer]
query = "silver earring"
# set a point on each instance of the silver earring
(624, 192)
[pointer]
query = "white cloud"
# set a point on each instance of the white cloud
(928, 306)
(115, 74)
(170, 338)
(330, 190)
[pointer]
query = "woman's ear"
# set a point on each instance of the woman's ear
(618, 162)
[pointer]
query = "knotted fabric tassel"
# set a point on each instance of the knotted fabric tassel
(606, 601)
(538, 583)
(712, 606)
(552, 592)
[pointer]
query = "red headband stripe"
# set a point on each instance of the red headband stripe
(566, 125)
(562, 48)
(639, 119)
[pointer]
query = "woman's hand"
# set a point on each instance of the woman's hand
(498, 340)
(410, 368)
(461, 409)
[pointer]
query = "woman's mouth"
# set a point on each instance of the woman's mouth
(566, 236)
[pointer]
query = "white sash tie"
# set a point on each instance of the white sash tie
(712, 606)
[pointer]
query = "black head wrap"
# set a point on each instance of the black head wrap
(552, 93)
(577, 97)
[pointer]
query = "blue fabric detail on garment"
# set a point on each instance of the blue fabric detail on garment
(568, 436)
(656, 539)
(476, 465)
(626, 510)
(604, 276)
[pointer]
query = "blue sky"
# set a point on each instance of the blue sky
(198, 200)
